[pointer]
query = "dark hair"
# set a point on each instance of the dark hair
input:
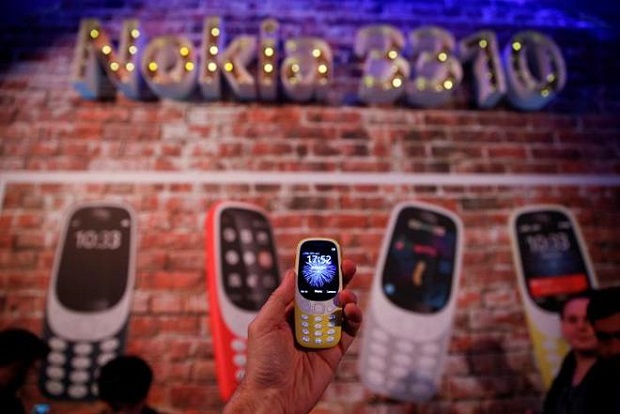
(586, 294)
(604, 303)
(124, 380)
(18, 344)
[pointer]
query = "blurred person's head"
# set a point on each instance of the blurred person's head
(575, 325)
(604, 315)
(19, 351)
(124, 383)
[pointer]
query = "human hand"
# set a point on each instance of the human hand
(281, 376)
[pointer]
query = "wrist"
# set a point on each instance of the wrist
(248, 400)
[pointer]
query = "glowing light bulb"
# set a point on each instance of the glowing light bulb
(322, 69)
(215, 32)
(106, 50)
(392, 54)
(448, 84)
(442, 57)
(397, 82)
(114, 66)
(153, 66)
(94, 33)
(133, 50)
(316, 53)
(135, 33)
(212, 66)
(228, 67)
(268, 68)
(213, 50)
(189, 66)
(129, 66)
(295, 68)
(483, 43)
(184, 51)
(268, 51)
(516, 46)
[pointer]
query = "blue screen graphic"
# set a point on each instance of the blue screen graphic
(318, 272)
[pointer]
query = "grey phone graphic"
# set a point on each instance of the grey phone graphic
(410, 313)
(89, 298)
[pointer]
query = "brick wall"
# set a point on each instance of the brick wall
(172, 160)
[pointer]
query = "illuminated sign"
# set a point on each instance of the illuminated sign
(530, 71)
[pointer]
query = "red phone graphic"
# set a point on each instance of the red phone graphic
(242, 271)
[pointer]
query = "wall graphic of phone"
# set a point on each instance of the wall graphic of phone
(89, 298)
(552, 264)
(318, 319)
(409, 317)
(242, 272)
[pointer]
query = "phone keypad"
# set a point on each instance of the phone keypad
(400, 367)
(71, 367)
(319, 329)
(239, 359)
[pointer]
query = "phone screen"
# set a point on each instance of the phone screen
(318, 272)
(93, 269)
(250, 268)
(419, 266)
(553, 264)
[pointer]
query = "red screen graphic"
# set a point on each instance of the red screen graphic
(565, 284)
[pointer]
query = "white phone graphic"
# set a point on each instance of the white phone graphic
(552, 264)
(318, 319)
(409, 317)
(242, 272)
(89, 298)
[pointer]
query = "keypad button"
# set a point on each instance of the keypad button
(427, 362)
(231, 257)
(331, 331)
(269, 281)
(249, 258)
(380, 336)
(402, 359)
(405, 346)
(83, 348)
(55, 372)
(430, 348)
(318, 319)
(246, 236)
(399, 371)
(110, 345)
(229, 234)
(330, 339)
(56, 358)
(421, 389)
(318, 333)
(57, 344)
(305, 339)
(379, 348)
(234, 280)
(77, 391)
(318, 326)
(105, 358)
(304, 316)
(265, 259)
(54, 387)
(79, 376)
(305, 324)
(318, 340)
(375, 377)
(238, 345)
(262, 237)
(319, 308)
(80, 363)
(252, 280)
(377, 362)
(240, 360)
(305, 331)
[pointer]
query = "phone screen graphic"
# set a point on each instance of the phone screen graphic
(419, 267)
(318, 270)
(92, 275)
(553, 262)
(250, 270)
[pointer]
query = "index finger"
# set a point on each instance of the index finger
(348, 271)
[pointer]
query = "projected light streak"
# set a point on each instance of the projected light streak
(317, 274)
